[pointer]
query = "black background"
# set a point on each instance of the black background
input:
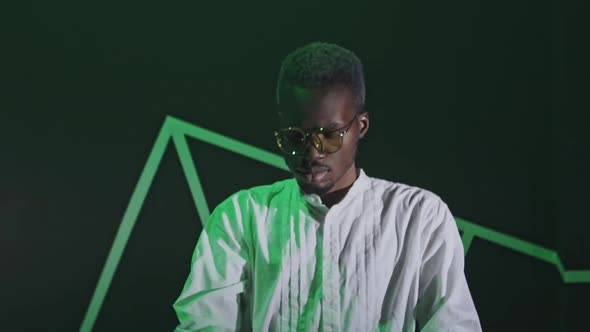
(483, 102)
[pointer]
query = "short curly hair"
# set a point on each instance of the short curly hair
(319, 66)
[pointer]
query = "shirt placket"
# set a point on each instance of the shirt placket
(331, 278)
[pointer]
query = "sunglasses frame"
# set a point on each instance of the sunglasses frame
(314, 133)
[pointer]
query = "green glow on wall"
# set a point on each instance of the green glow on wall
(177, 130)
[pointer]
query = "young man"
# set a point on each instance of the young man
(331, 249)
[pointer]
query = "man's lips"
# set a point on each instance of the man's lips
(313, 174)
(315, 169)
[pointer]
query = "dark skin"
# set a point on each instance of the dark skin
(332, 108)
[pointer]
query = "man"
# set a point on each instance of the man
(331, 249)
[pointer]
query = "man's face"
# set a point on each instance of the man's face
(317, 172)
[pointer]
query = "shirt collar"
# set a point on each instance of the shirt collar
(361, 184)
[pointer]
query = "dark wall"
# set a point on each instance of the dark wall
(483, 103)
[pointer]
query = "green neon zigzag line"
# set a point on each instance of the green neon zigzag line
(177, 130)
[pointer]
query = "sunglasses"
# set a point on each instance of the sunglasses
(295, 141)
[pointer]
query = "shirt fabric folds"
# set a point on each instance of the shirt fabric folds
(387, 257)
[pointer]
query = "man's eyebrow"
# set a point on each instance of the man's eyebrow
(333, 125)
(329, 126)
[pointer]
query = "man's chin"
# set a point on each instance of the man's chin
(319, 189)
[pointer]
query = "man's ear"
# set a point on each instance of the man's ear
(363, 124)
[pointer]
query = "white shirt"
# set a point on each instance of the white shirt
(387, 257)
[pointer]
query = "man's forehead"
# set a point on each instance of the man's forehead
(315, 108)
(309, 120)
(296, 99)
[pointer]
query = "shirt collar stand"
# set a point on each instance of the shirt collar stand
(359, 185)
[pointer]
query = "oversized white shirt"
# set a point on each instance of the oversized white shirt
(387, 257)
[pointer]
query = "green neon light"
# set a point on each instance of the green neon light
(177, 130)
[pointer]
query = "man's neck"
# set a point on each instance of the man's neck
(332, 198)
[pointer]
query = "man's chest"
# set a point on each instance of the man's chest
(356, 270)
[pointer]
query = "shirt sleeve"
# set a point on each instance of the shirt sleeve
(213, 295)
(444, 300)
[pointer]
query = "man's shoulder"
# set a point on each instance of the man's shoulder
(412, 205)
(263, 193)
(258, 196)
(398, 192)
(267, 192)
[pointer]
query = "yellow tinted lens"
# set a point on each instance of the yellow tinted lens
(331, 141)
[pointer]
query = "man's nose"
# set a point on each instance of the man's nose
(311, 151)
